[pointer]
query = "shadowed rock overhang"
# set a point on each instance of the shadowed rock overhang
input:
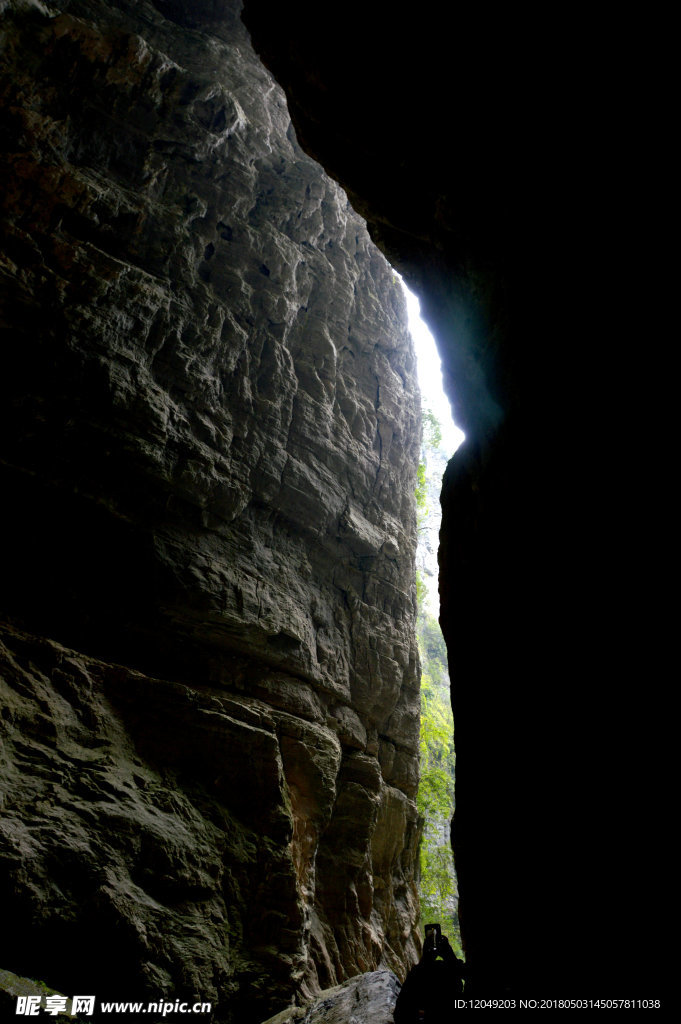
(488, 150)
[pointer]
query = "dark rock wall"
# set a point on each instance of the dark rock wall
(210, 431)
(496, 155)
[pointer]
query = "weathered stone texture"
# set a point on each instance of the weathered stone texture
(368, 999)
(209, 441)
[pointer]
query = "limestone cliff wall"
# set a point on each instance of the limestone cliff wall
(210, 431)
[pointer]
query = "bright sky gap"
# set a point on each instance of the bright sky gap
(433, 398)
(430, 375)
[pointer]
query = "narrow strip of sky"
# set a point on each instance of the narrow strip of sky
(430, 375)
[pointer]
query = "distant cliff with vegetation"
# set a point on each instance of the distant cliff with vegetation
(437, 883)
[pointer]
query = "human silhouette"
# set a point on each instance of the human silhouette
(432, 985)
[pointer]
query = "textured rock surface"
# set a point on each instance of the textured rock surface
(368, 999)
(209, 440)
(13, 988)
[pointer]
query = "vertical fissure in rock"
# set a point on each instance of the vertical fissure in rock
(440, 440)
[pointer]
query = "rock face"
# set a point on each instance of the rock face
(368, 999)
(210, 432)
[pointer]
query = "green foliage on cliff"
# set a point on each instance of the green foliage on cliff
(421, 493)
(437, 885)
(431, 430)
(431, 439)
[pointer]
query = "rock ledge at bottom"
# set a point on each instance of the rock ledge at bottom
(366, 999)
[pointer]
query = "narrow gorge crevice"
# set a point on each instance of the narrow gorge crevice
(208, 445)
(496, 156)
